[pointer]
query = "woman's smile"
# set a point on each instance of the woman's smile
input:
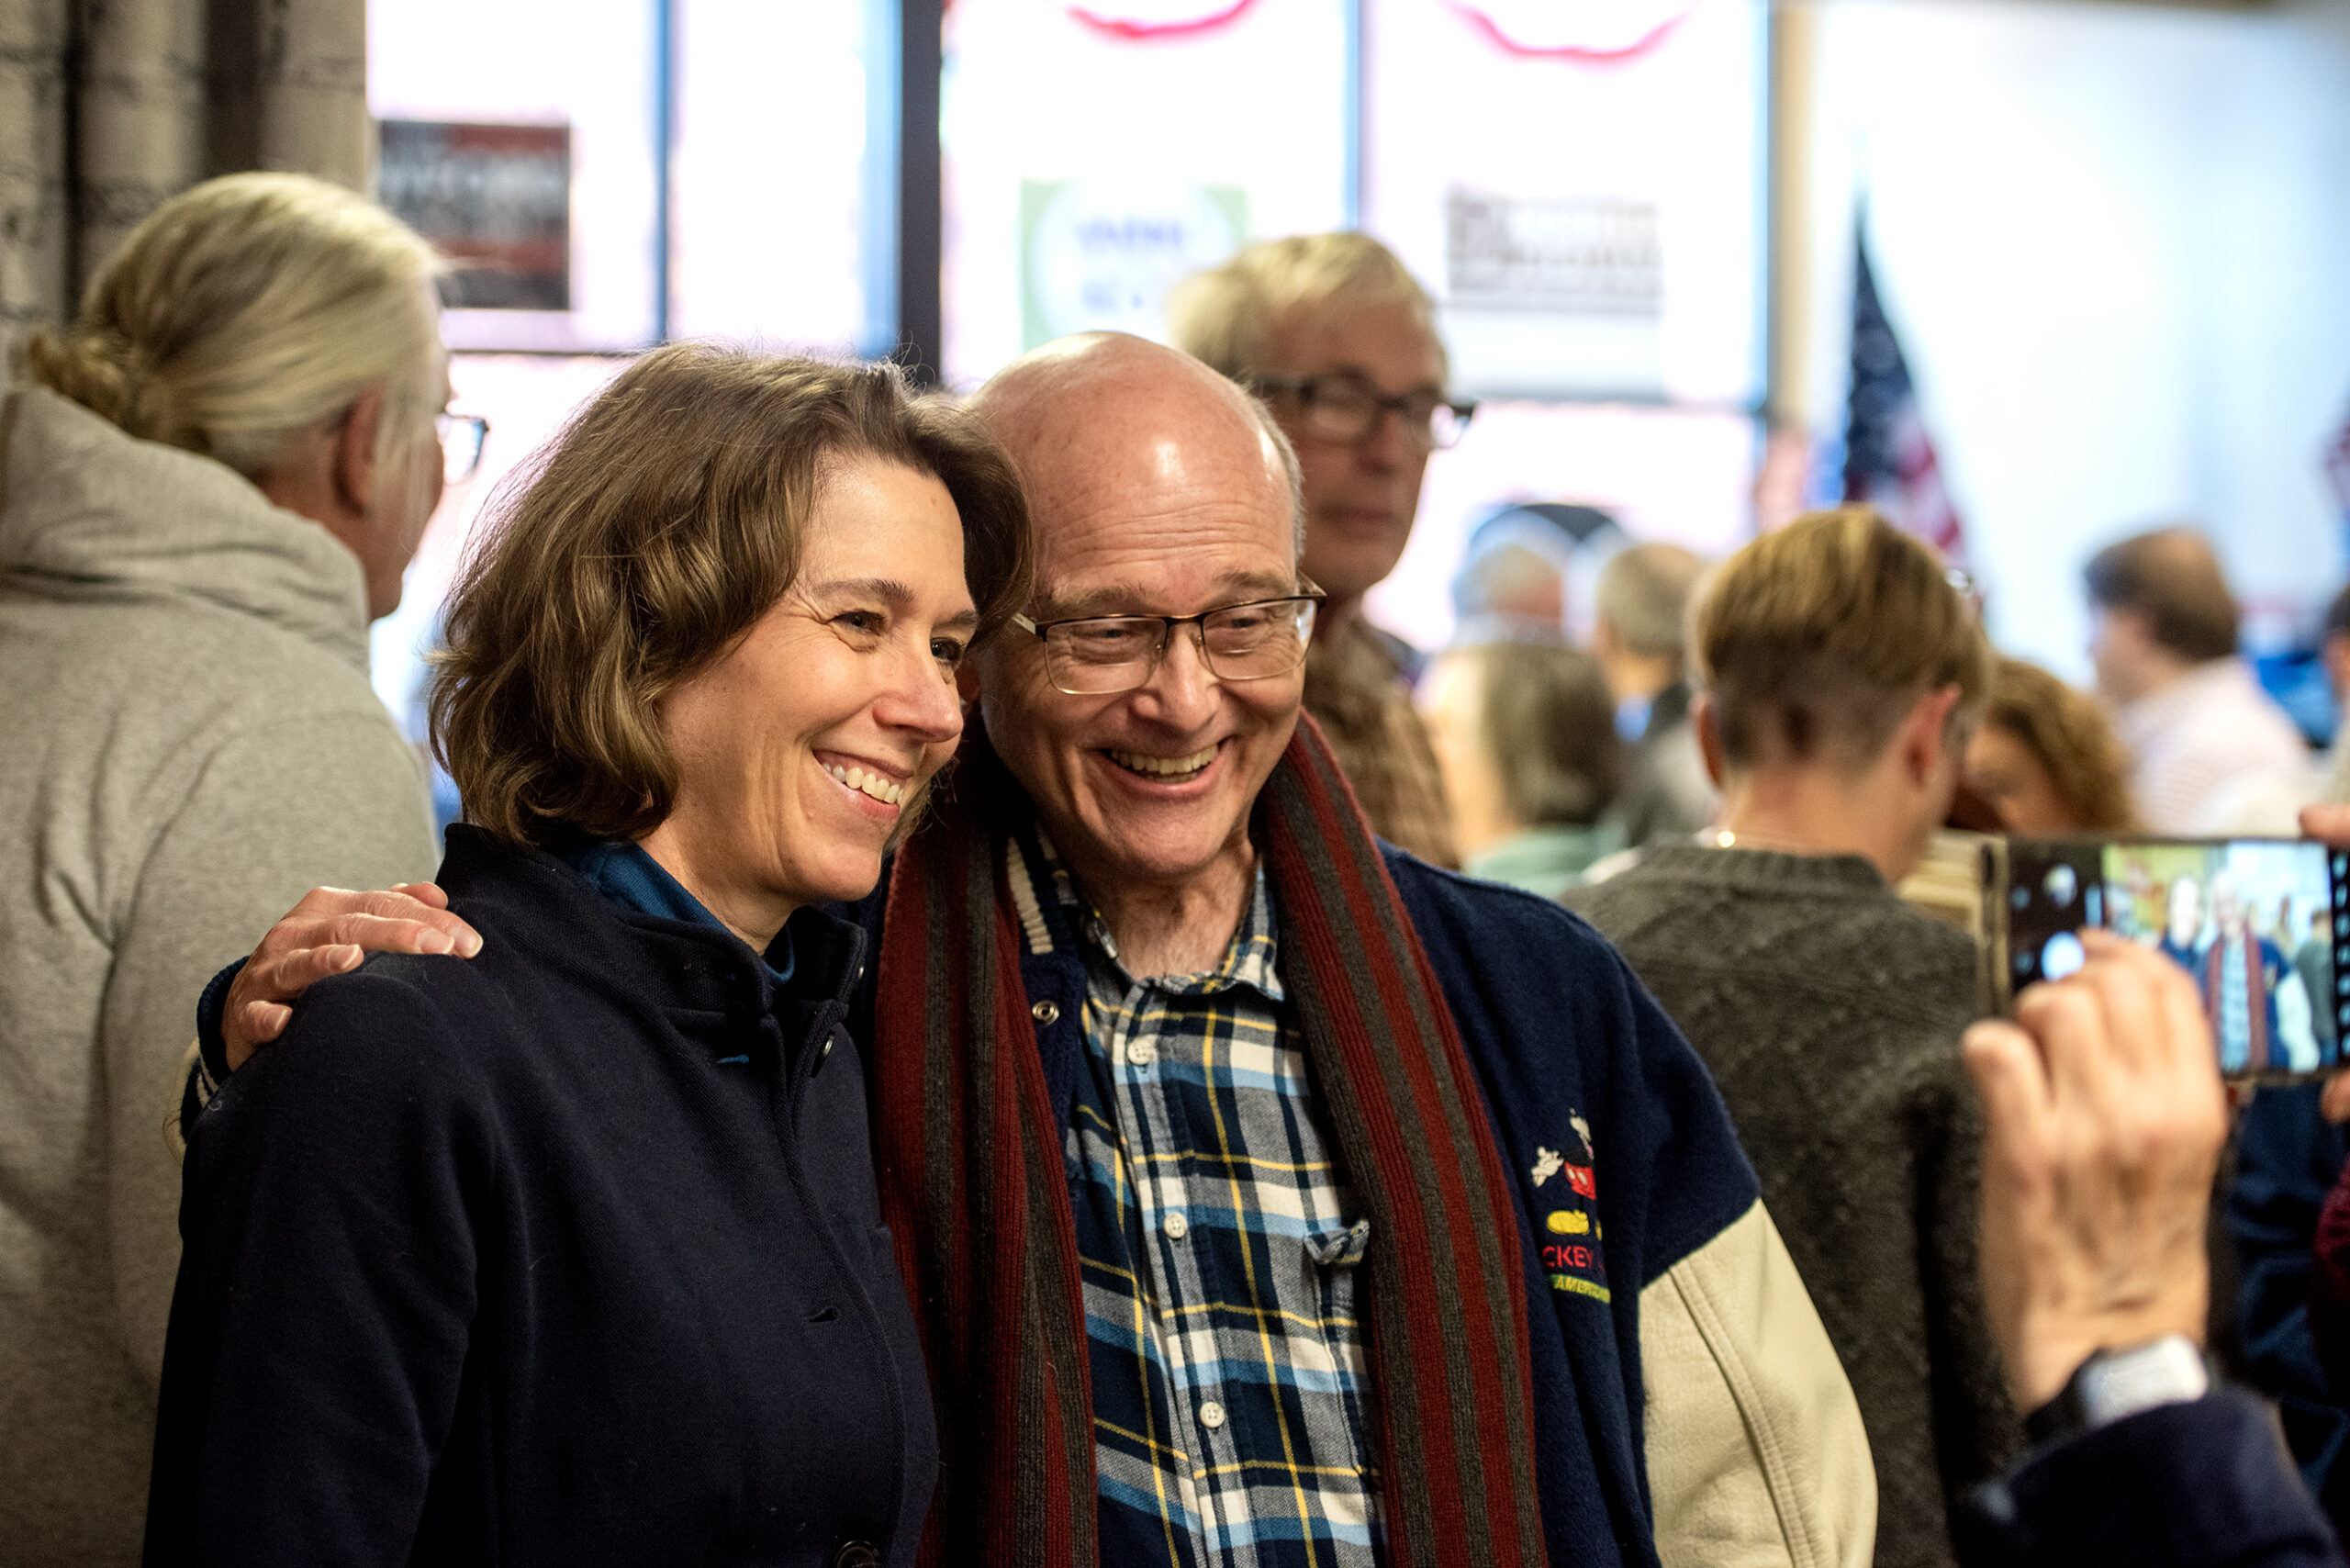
(879, 785)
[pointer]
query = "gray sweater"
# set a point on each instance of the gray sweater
(1829, 1012)
(191, 744)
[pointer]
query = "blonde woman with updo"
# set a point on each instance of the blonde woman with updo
(210, 483)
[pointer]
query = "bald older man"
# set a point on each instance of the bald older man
(1266, 1195)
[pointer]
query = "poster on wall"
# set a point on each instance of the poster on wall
(1101, 255)
(1096, 153)
(1579, 182)
(527, 154)
(494, 199)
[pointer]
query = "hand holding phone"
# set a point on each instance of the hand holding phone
(2103, 1123)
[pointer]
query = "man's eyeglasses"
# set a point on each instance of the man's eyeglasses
(1097, 656)
(462, 439)
(1343, 406)
(1966, 587)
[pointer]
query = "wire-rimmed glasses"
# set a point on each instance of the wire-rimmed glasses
(463, 436)
(1344, 407)
(1098, 656)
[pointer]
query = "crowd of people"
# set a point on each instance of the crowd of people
(983, 1012)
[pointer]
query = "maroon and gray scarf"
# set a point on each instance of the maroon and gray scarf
(974, 1187)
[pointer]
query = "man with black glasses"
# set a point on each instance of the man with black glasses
(1340, 342)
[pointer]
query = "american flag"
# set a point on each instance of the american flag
(1888, 459)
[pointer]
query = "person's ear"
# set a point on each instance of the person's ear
(2136, 628)
(1708, 725)
(1927, 736)
(355, 474)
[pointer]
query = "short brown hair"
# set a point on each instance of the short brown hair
(1547, 727)
(2171, 577)
(2067, 732)
(647, 538)
(1815, 640)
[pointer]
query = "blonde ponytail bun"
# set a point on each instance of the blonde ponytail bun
(248, 308)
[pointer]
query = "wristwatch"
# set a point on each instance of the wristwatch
(2114, 1384)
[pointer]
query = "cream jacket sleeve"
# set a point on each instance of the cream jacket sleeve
(1756, 1451)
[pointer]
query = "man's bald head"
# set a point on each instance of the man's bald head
(1101, 411)
(1155, 487)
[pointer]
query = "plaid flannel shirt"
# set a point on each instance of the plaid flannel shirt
(1217, 1243)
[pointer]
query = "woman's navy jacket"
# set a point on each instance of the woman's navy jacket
(569, 1252)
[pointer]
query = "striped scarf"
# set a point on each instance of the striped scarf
(974, 1187)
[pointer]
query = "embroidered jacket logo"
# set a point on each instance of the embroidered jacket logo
(1574, 1266)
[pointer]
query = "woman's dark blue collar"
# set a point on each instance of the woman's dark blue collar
(627, 876)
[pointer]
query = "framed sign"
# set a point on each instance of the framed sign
(1101, 255)
(1097, 152)
(494, 199)
(1581, 181)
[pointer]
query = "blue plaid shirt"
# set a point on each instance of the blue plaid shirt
(1232, 1402)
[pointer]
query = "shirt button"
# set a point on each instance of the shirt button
(1176, 1226)
(1045, 1012)
(857, 1554)
(1141, 1053)
(1211, 1415)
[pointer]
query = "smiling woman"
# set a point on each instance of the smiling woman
(573, 1246)
(669, 523)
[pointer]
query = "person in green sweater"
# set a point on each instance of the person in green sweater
(1839, 672)
(1525, 736)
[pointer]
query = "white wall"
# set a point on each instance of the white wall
(2115, 240)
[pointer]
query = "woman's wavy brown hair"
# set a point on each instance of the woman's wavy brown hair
(2086, 764)
(646, 540)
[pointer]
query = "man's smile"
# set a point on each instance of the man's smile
(1169, 769)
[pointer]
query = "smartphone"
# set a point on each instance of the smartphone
(2262, 924)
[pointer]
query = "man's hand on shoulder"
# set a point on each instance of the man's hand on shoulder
(329, 933)
(2104, 1120)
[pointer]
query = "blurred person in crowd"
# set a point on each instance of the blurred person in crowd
(1639, 631)
(2314, 961)
(2241, 972)
(1516, 582)
(1525, 736)
(2045, 758)
(2213, 753)
(2104, 1125)
(1837, 671)
(210, 483)
(1512, 584)
(568, 1254)
(1340, 341)
(2182, 938)
(1188, 942)
(2333, 654)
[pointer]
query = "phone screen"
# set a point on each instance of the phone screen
(2262, 924)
